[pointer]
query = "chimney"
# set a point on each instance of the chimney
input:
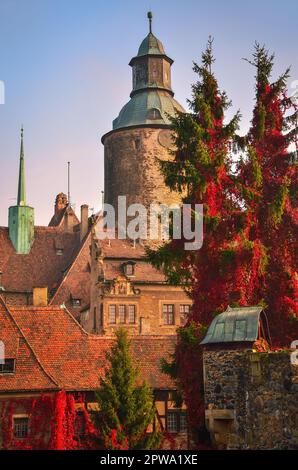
(69, 220)
(61, 202)
(84, 221)
(40, 296)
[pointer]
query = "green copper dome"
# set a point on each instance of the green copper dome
(151, 46)
(239, 324)
(151, 100)
(147, 107)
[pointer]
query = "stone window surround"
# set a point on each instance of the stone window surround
(176, 311)
(117, 313)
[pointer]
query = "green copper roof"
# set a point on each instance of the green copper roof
(151, 100)
(21, 186)
(21, 216)
(147, 107)
(233, 325)
(151, 45)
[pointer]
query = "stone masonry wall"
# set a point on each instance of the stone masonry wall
(251, 399)
(131, 166)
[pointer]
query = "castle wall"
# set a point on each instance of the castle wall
(251, 399)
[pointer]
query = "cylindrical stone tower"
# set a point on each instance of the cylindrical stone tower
(141, 133)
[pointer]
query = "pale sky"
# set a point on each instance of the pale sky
(64, 64)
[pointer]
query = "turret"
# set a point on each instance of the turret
(21, 216)
(142, 132)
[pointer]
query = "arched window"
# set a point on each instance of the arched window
(154, 113)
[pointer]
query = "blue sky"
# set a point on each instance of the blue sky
(65, 68)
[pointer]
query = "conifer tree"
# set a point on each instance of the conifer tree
(219, 273)
(269, 177)
(126, 409)
(248, 255)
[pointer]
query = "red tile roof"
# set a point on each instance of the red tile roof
(58, 218)
(42, 266)
(116, 251)
(73, 358)
(77, 282)
(29, 373)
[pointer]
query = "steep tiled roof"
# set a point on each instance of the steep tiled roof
(143, 272)
(58, 218)
(75, 359)
(29, 372)
(76, 283)
(117, 251)
(42, 266)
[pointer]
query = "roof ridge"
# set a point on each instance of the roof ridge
(27, 342)
(71, 265)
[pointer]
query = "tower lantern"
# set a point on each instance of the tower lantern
(142, 131)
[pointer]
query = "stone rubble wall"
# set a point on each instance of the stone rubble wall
(251, 399)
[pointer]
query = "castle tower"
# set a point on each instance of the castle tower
(141, 133)
(21, 216)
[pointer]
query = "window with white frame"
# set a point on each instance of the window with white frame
(112, 314)
(131, 314)
(184, 313)
(122, 314)
(168, 314)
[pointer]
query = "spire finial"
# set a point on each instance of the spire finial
(21, 186)
(149, 16)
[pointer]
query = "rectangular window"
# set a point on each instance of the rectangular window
(122, 314)
(131, 314)
(172, 422)
(8, 366)
(184, 314)
(183, 422)
(129, 269)
(168, 314)
(112, 314)
(20, 427)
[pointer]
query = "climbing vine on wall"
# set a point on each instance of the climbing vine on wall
(248, 188)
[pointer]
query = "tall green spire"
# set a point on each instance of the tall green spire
(21, 216)
(21, 188)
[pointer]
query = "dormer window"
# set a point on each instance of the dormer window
(129, 268)
(76, 303)
(154, 113)
(58, 245)
(8, 367)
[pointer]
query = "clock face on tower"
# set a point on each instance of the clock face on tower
(165, 139)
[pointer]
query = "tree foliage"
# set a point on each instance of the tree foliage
(248, 255)
(126, 409)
